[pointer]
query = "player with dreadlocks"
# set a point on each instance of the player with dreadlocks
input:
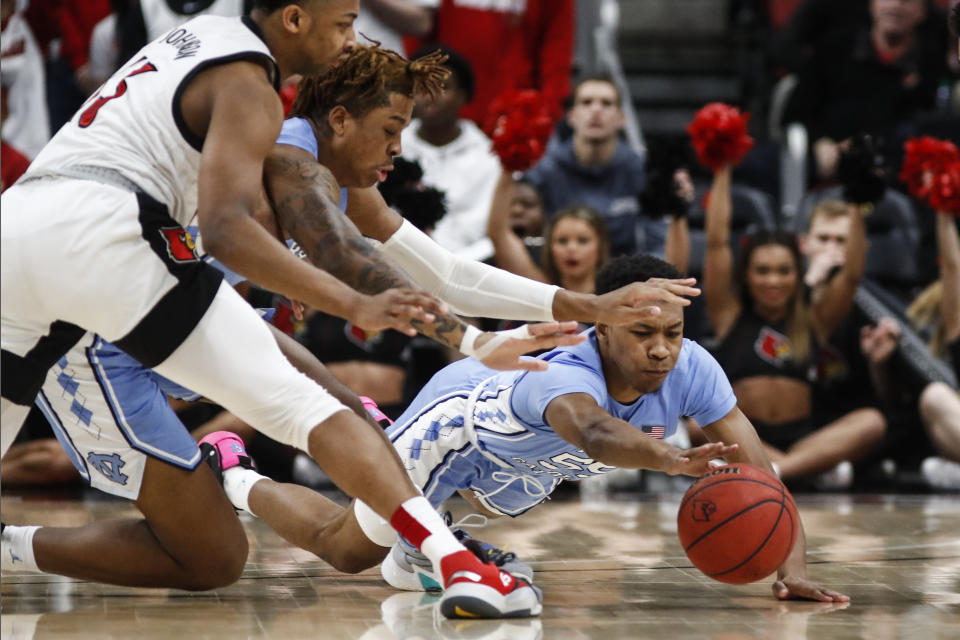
(127, 432)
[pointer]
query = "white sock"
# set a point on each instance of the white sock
(441, 542)
(18, 548)
(237, 483)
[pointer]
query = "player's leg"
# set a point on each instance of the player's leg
(231, 358)
(190, 537)
(107, 412)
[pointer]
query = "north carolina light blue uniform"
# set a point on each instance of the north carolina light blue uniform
(475, 428)
(109, 412)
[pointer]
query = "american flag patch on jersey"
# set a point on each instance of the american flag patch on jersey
(653, 431)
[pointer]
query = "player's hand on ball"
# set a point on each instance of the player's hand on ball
(640, 300)
(398, 309)
(503, 349)
(797, 588)
(696, 461)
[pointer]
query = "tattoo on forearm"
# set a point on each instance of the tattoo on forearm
(446, 329)
(306, 209)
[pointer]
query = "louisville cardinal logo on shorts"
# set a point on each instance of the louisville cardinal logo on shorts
(180, 244)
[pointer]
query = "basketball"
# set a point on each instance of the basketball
(737, 523)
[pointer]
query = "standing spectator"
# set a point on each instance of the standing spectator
(596, 168)
(26, 124)
(515, 44)
(870, 76)
(456, 158)
(388, 21)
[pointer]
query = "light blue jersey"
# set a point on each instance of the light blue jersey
(507, 408)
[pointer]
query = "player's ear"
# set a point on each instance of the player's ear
(338, 118)
(293, 17)
(603, 330)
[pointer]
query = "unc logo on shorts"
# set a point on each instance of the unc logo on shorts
(108, 465)
(703, 509)
(180, 245)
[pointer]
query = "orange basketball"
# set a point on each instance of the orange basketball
(737, 523)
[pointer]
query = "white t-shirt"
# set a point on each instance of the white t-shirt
(467, 171)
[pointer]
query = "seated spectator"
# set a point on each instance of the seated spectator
(456, 158)
(575, 241)
(872, 75)
(598, 169)
(768, 337)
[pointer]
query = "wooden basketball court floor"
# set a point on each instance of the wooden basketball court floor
(609, 568)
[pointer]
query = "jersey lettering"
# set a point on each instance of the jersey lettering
(90, 113)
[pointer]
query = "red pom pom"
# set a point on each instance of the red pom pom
(718, 134)
(944, 191)
(519, 124)
(924, 160)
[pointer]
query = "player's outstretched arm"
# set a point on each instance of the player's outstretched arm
(472, 288)
(303, 194)
(236, 98)
(792, 582)
(577, 418)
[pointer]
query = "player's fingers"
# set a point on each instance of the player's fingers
(780, 590)
(524, 364)
(418, 299)
(545, 328)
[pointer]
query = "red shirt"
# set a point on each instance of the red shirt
(70, 20)
(508, 50)
(12, 165)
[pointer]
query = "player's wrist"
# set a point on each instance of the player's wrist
(569, 305)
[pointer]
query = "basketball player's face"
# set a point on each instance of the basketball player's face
(328, 34)
(370, 143)
(638, 357)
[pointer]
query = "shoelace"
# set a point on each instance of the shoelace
(488, 553)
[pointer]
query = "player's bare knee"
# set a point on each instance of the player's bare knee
(218, 565)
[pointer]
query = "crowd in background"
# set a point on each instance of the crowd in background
(838, 324)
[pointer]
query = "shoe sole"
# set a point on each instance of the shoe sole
(400, 578)
(472, 600)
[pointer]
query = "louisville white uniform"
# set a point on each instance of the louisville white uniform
(93, 239)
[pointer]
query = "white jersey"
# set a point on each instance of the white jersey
(134, 124)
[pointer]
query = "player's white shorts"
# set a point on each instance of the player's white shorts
(441, 458)
(80, 253)
(115, 263)
(110, 413)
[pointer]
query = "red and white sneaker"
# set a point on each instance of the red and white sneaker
(223, 450)
(476, 589)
